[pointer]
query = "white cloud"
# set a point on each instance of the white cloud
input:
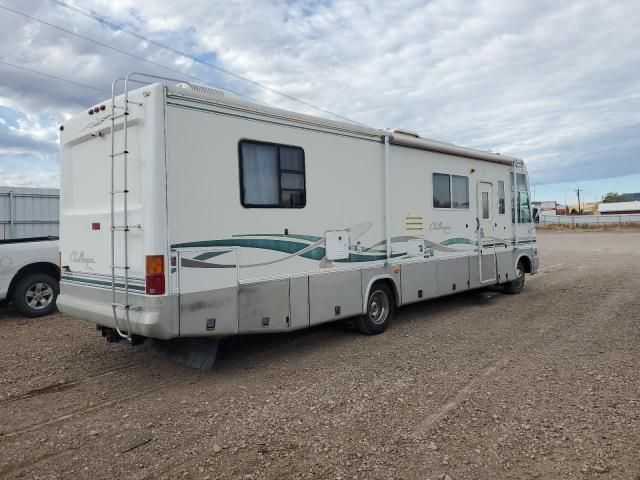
(554, 83)
(29, 179)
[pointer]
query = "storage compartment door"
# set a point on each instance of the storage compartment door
(418, 281)
(264, 306)
(335, 295)
(208, 289)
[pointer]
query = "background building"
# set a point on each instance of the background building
(29, 212)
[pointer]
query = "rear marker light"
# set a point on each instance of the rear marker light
(102, 107)
(91, 111)
(95, 226)
(154, 278)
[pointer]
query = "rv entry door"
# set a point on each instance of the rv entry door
(486, 233)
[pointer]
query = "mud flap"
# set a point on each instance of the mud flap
(196, 353)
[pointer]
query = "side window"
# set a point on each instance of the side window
(485, 205)
(441, 191)
(501, 199)
(460, 189)
(271, 175)
(523, 208)
(450, 191)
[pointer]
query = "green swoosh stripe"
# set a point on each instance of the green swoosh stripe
(310, 238)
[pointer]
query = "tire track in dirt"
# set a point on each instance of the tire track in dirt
(63, 385)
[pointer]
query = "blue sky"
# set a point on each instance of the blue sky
(555, 83)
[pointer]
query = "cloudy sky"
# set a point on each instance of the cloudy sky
(554, 82)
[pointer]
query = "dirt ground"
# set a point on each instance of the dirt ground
(545, 384)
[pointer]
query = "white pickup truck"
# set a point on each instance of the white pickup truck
(30, 275)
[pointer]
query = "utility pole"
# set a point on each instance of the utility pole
(579, 206)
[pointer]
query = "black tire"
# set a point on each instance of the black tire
(35, 295)
(517, 285)
(380, 308)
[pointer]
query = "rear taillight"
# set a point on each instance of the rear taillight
(154, 275)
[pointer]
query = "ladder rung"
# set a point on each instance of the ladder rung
(120, 268)
(124, 152)
(119, 191)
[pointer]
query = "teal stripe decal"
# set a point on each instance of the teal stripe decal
(292, 247)
(102, 283)
(296, 236)
(285, 246)
(206, 256)
(458, 241)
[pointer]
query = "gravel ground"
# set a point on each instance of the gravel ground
(544, 384)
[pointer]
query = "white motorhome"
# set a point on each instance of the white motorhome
(187, 212)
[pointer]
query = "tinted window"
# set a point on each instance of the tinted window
(523, 207)
(450, 191)
(524, 210)
(485, 205)
(272, 175)
(460, 191)
(441, 191)
(501, 199)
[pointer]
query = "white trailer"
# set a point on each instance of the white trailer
(187, 212)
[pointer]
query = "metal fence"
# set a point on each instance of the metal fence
(29, 212)
(588, 219)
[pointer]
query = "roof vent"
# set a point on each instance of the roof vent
(214, 92)
(406, 132)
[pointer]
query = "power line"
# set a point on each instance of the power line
(196, 59)
(36, 72)
(124, 52)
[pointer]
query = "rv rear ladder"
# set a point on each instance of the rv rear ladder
(125, 228)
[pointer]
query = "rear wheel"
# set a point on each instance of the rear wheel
(380, 309)
(35, 295)
(517, 285)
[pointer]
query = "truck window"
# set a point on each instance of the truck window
(523, 208)
(271, 175)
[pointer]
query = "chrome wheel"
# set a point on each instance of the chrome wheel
(39, 296)
(378, 307)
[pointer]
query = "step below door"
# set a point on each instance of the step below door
(207, 287)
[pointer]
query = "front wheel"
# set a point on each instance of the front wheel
(517, 285)
(35, 295)
(380, 309)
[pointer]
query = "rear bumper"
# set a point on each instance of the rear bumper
(154, 318)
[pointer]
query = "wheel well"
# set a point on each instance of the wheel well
(38, 267)
(390, 284)
(526, 263)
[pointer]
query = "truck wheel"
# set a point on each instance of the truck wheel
(517, 285)
(35, 295)
(380, 308)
